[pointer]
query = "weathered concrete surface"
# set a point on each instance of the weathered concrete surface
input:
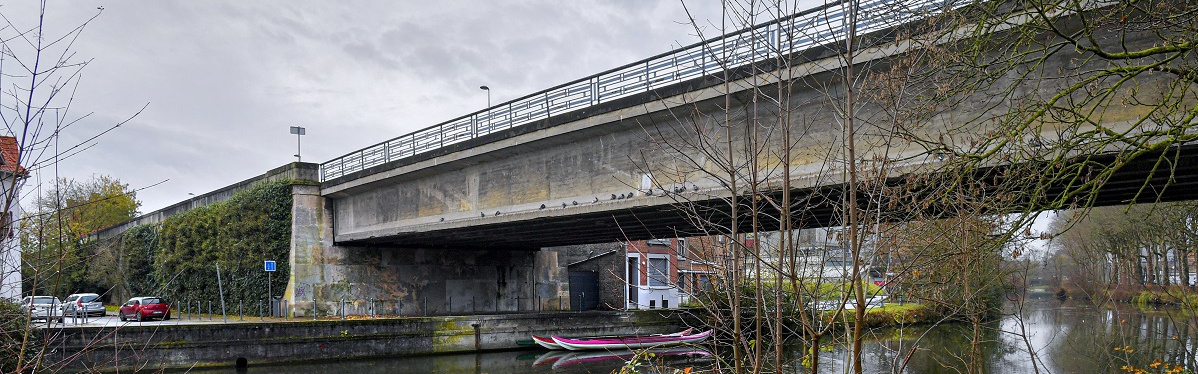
(505, 192)
(552, 284)
(422, 281)
(601, 162)
(633, 155)
(166, 346)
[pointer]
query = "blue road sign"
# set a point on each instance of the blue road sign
(270, 266)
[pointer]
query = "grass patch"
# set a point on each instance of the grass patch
(891, 314)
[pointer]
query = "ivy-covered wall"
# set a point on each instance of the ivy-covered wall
(178, 259)
(139, 246)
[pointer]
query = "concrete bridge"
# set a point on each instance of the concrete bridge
(457, 217)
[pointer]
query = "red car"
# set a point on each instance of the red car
(143, 308)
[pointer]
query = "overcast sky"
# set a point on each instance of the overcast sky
(224, 80)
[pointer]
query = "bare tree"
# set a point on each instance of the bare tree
(784, 146)
(974, 118)
(40, 73)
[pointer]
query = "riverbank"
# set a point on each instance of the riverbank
(166, 346)
(1183, 297)
(894, 314)
(1070, 338)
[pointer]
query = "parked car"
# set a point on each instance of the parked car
(83, 304)
(143, 308)
(876, 301)
(824, 305)
(42, 307)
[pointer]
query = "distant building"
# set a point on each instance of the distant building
(652, 274)
(645, 274)
(696, 267)
(12, 175)
(595, 275)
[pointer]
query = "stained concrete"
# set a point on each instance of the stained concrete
(421, 281)
(182, 346)
(674, 144)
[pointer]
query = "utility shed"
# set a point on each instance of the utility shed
(596, 275)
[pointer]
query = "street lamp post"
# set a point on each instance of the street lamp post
(298, 131)
(488, 89)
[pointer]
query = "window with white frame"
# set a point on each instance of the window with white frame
(659, 271)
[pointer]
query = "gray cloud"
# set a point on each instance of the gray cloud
(225, 79)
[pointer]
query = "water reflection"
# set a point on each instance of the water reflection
(522, 362)
(496, 362)
(1064, 338)
(671, 357)
(1113, 338)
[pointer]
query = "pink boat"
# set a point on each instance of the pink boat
(548, 342)
(629, 342)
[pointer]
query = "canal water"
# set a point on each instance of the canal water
(1068, 337)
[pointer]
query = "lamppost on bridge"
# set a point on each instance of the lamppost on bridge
(488, 89)
(298, 131)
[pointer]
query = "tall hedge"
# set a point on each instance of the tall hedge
(139, 246)
(238, 234)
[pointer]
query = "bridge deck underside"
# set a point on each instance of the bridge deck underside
(1140, 181)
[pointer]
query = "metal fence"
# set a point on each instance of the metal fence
(778, 38)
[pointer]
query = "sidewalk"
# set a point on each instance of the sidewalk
(111, 320)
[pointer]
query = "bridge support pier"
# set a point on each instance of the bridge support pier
(413, 282)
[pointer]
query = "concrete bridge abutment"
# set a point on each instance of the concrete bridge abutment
(328, 279)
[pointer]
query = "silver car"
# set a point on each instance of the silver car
(85, 304)
(42, 307)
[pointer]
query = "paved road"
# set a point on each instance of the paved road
(111, 320)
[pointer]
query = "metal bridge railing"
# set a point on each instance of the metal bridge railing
(770, 40)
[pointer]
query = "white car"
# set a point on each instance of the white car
(830, 305)
(42, 307)
(876, 301)
(85, 304)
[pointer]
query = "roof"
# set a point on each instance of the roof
(10, 154)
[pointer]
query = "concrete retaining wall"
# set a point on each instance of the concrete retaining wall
(160, 346)
(299, 172)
